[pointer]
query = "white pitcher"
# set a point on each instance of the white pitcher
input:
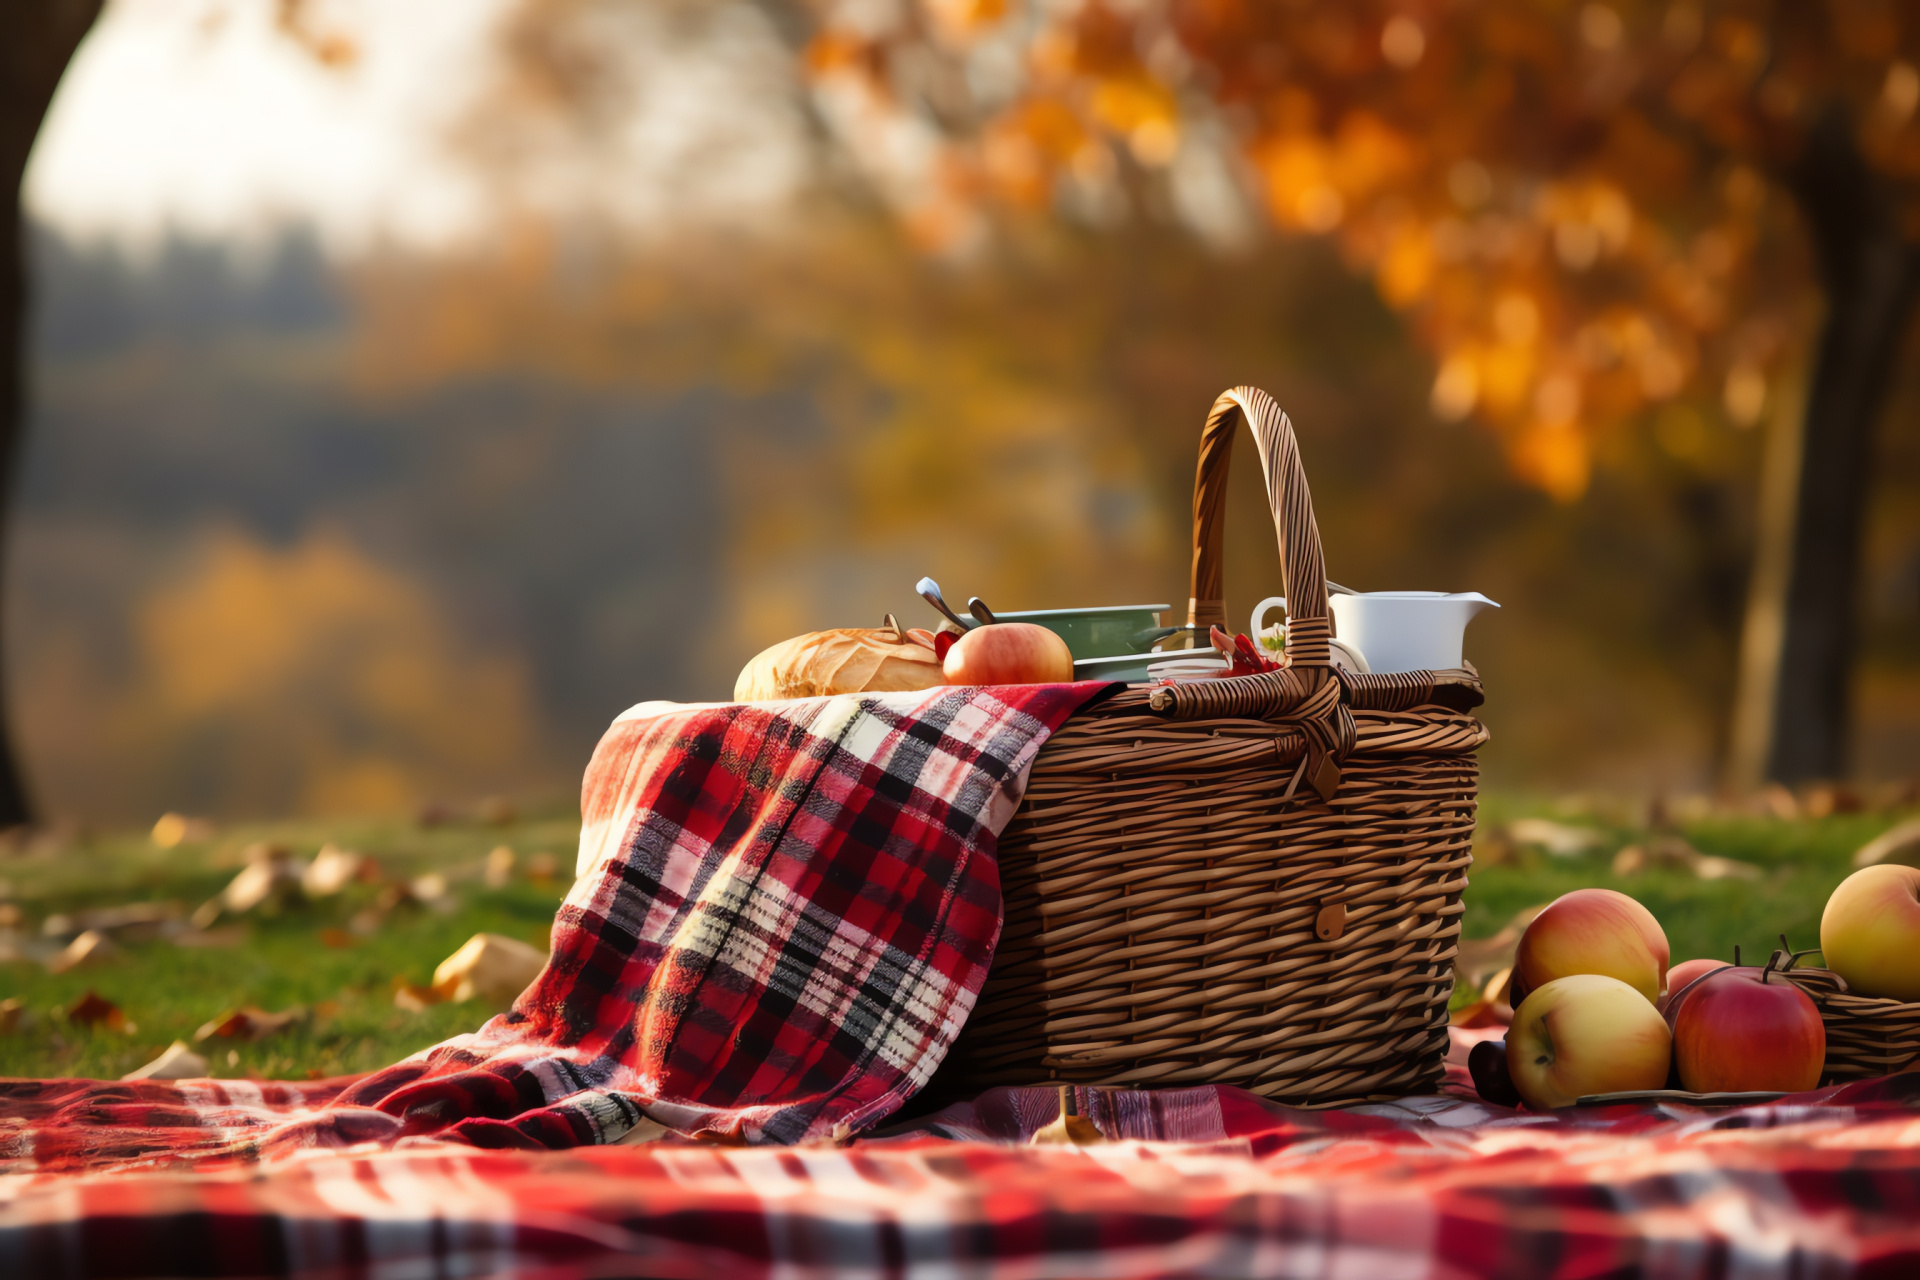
(1399, 630)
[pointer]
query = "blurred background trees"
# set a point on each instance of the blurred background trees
(37, 37)
(733, 319)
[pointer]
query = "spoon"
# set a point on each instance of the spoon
(930, 592)
(978, 608)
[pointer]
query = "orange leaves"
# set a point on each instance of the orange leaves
(963, 19)
(1567, 198)
(1312, 181)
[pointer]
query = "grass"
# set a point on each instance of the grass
(167, 991)
(282, 960)
(1799, 861)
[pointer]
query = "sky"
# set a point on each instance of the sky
(200, 118)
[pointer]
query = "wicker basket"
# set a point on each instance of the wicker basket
(1866, 1035)
(1252, 881)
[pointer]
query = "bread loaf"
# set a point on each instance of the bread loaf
(847, 660)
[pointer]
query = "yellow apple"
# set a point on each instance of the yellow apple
(1870, 931)
(1593, 931)
(1582, 1034)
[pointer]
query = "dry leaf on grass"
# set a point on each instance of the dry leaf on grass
(13, 1012)
(89, 948)
(1556, 838)
(1481, 957)
(490, 965)
(177, 1063)
(249, 1024)
(95, 1010)
(499, 870)
(412, 998)
(334, 868)
(1901, 845)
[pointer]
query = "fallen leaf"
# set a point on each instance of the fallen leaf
(1709, 867)
(1901, 845)
(336, 938)
(490, 965)
(334, 868)
(13, 1012)
(177, 1063)
(428, 888)
(499, 867)
(89, 948)
(270, 878)
(249, 1024)
(1557, 838)
(1481, 1013)
(1480, 957)
(414, 999)
(93, 1010)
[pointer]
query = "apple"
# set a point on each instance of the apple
(1585, 1033)
(1682, 976)
(1592, 931)
(1870, 931)
(1008, 653)
(1741, 1029)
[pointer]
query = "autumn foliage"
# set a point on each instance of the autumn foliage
(1582, 208)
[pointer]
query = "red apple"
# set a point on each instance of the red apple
(1582, 1034)
(1683, 975)
(1743, 1029)
(1008, 653)
(1870, 931)
(1592, 931)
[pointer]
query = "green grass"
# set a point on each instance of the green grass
(1800, 861)
(168, 991)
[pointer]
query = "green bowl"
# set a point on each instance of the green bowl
(1102, 633)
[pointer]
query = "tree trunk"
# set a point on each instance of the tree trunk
(37, 39)
(1794, 720)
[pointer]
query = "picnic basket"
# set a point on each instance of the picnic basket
(1867, 1036)
(1251, 880)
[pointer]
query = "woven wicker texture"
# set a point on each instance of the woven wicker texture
(1251, 881)
(1866, 1036)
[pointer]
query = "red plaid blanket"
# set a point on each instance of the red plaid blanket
(1197, 1182)
(784, 915)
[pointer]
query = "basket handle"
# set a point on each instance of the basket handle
(1302, 566)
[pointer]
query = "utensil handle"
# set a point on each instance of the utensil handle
(1303, 568)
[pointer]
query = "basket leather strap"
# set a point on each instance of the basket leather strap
(1308, 700)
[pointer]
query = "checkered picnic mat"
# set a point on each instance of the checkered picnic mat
(1195, 1182)
(785, 913)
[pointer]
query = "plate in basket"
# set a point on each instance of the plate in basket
(1682, 1096)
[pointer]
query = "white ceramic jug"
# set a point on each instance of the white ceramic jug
(1400, 630)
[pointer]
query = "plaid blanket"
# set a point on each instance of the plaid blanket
(1195, 1182)
(784, 914)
